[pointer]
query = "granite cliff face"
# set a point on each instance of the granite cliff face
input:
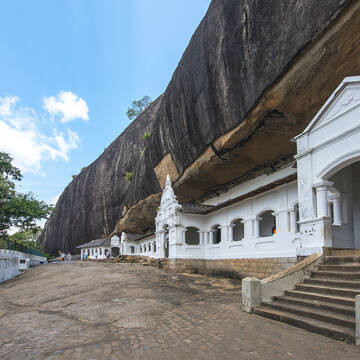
(253, 75)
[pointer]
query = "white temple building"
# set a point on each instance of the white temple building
(100, 249)
(307, 206)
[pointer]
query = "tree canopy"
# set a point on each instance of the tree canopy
(137, 107)
(17, 209)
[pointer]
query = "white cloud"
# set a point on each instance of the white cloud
(6, 103)
(67, 106)
(22, 138)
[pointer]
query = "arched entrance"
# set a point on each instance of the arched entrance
(115, 251)
(344, 206)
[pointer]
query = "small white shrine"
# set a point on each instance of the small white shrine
(100, 249)
(295, 211)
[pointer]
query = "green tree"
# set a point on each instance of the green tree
(17, 209)
(137, 107)
(29, 238)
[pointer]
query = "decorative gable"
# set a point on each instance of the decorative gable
(344, 99)
(115, 241)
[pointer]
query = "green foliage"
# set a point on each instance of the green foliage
(147, 135)
(29, 238)
(128, 176)
(17, 209)
(137, 107)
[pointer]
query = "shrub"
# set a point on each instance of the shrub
(147, 135)
(128, 176)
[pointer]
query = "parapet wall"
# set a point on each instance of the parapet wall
(9, 268)
(10, 263)
(34, 259)
(233, 268)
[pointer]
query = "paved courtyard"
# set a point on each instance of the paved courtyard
(128, 311)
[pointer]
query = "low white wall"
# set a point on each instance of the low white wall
(33, 259)
(9, 268)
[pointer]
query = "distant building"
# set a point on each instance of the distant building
(100, 248)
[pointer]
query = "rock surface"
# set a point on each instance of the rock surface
(253, 75)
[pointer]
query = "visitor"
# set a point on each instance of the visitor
(274, 230)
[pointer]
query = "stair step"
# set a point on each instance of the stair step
(345, 252)
(336, 274)
(335, 308)
(314, 313)
(334, 283)
(342, 300)
(313, 325)
(328, 290)
(343, 267)
(328, 260)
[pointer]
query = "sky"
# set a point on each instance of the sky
(70, 69)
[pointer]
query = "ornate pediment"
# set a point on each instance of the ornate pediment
(344, 99)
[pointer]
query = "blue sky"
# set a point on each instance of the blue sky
(69, 70)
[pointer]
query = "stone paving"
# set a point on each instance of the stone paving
(128, 311)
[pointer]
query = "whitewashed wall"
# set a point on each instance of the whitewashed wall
(95, 253)
(280, 202)
(144, 247)
(9, 268)
(172, 224)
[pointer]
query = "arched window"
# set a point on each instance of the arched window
(132, 250)
(140, 249)
(154, 246)
(192, 236)
(237, 230)
(216, 232)
(267, 224)
(149, 247)
(144, 248)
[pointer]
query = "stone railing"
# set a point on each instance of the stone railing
(255, 291)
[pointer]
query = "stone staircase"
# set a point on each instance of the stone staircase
(324, 303)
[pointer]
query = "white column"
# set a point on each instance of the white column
(211, 237)
(257, 227)
(337, 207)
(248, 228)
(201, 236)
(231, 232)
(322, 198)
(293, 222)
(224, 233)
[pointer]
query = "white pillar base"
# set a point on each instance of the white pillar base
(251, 294)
